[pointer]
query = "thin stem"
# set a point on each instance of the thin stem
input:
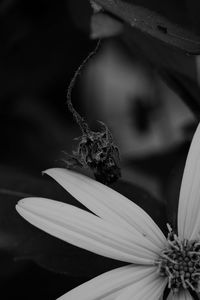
(80, 120)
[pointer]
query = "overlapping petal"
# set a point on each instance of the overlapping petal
(110, 284)
(109, 205)
(189, 200)
(86, 230)
(149, 288)
(183, 295)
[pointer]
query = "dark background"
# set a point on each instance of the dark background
(40, 48)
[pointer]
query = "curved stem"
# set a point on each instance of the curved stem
(80, 120)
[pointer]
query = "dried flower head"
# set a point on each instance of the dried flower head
(95, 150)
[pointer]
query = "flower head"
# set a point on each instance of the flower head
(121, 230)
(98, 152)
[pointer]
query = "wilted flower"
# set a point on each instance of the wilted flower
(122, 230)
(97, 151)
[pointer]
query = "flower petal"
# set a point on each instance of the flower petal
(183, 295)
(189, 200)
(109, 205)
(86, 230)
(149, 288)
(110, 284)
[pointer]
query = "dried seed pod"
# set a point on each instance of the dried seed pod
(97, 151)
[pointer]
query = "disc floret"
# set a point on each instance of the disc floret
(180, 262)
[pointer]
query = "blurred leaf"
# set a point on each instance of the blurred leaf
(24, 241)
(153, 24)
(103, 26)
(177, 68)
(164, 46)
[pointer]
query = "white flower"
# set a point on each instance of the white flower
(121, 230)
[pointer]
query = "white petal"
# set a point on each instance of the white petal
(189, 200)
(109, 205)
(110, 284)
(149, 288)
(183, 295)
(86, 230)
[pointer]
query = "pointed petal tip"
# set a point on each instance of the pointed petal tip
(47, 171)
(21, 204)
(67, 175)
(58, 171)
(32, 203)
(50, 170)
(17, 207)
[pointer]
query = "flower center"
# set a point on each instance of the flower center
(180, 262)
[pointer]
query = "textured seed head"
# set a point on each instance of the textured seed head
(180, 262)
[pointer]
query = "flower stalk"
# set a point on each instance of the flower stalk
(95, 150)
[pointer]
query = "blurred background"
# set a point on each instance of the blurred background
(40, 50)
(41, 47)
(42, 44)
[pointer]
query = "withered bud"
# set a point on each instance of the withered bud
(97, 151)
